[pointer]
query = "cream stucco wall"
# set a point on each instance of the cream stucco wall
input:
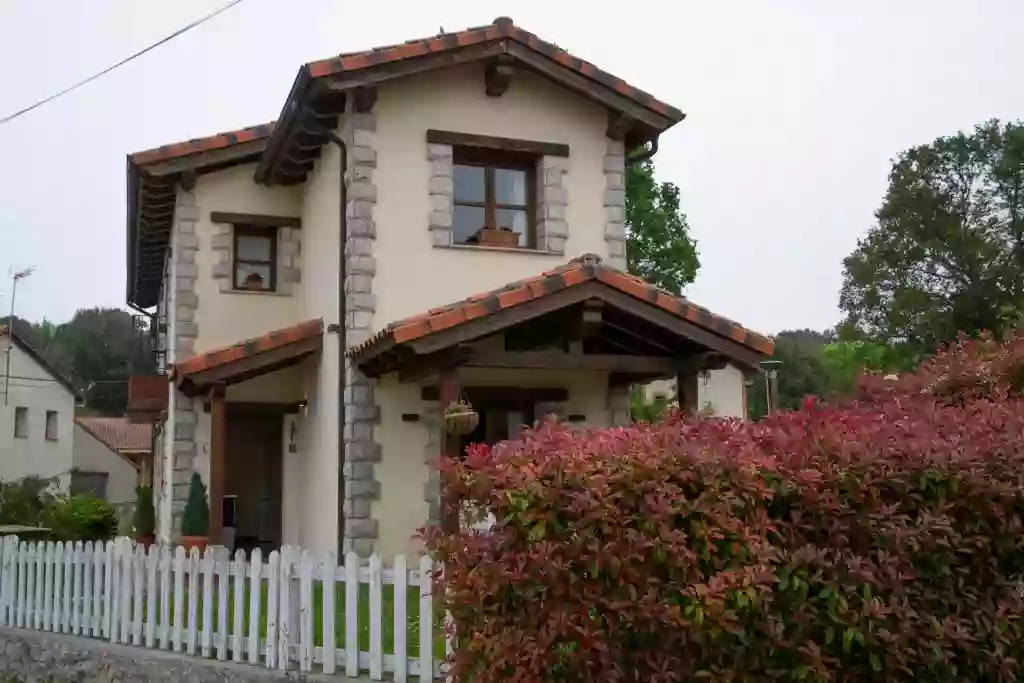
(413, 276)
(405, 466)
(32, 387)
(724, 393)
(92, 455)
(225, 318)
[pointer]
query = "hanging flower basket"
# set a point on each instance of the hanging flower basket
(460, 418)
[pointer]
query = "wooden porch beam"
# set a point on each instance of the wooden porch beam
(559, 360)
(218, 461)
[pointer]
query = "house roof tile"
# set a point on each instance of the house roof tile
(119, 433)
(250, 347)
(587, 268)
(204, 144)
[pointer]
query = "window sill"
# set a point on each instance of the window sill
(249, 292)
(507, 250)
(21, 436)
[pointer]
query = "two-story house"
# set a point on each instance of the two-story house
(425, 222)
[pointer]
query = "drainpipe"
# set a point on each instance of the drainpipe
(644, 155)
(167, 494)
(339, 328)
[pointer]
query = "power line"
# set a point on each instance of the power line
(121, 63)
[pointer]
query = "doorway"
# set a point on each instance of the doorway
(252, 499)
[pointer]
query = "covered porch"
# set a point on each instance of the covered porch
(252, 395)
(570, 342)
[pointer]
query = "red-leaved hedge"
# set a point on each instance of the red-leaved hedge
(876, 540)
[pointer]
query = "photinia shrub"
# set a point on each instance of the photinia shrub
(880, 539)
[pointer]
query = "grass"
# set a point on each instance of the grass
(412, 635)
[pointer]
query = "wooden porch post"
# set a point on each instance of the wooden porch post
(448, 393)
(686, 392)
(218, 460)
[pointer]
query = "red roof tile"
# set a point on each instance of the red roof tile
(250, 347)
(119, 433)
(502, 28)
(587, 268)
(196, 145)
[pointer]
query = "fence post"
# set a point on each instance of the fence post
(221, 557)
(330, 570)
(351, 614)
(238, 568)
(273, 586)
(401, 582)
(376, 625)
(426, 619)
(255, 594)
(305, 621)
(206, 634)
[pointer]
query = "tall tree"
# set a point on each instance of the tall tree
(947, 253)
(659, 248)
(801, 372)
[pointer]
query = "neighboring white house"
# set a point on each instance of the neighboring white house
(101, 469)
(317, 312)
(37, 415)
(716, 392)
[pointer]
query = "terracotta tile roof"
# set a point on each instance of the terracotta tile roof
(502, 28)
(196, 145)
(250, 347)
(584, 269)
(119, 433)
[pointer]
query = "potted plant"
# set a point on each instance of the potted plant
(460, 418)
(195, 523)
(254, 282)
(498, 237)
(145, 517)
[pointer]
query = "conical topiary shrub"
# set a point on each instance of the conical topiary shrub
(195, 523)
(145, 516)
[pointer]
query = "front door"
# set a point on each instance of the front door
(253, 477)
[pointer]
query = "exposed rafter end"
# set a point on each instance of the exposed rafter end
(498, 76)
(619, 125)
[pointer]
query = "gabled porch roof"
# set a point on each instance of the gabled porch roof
(613, 314)
(250, 358)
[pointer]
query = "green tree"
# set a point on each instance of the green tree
(948, 251)
(659, 248)
(801, 372)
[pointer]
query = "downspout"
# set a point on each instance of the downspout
(170, 433)
(644, 155)
(340, 327)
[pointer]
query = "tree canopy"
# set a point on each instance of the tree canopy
(948, 251)
(659, 248)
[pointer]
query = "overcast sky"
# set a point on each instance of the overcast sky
(794, 110)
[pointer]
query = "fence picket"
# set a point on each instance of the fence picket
(255, 598)
(238, 571)
(328, 568)
(30, 587)
(376, 627)
(99, 557)
(81, 562)
(426, 619)
(108, 594)
(5, 579)
(47, 574)
(206, 630)
(272, 588)
(193, 601)
(69, 584)
(305, 625)
(179, 598)
(23, 555)
(124, 597)
(351, 615)
(139, 572)
(284, 610)
(164, 627)
(152, 561)
(220, 636)
(401, 582)
(58, 587)
(37, 604)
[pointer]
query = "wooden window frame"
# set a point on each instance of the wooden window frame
(243, 230)
(56, 425)
(490, 160)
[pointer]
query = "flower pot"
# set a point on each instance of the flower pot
(145, 540)
(462, 421)
(200, 542)
(498, 238)
(254, 285)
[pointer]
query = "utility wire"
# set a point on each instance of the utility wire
(65, 91)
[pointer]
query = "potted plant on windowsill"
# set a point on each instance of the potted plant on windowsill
(497, 237)
(254, 282)
(195, 522)
(460, 418)
(145, 517)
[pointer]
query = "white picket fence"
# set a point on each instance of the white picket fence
(242, 610)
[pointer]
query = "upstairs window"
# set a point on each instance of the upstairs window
(255, 258)
(494, 189)
(21, 422)
(51, 425)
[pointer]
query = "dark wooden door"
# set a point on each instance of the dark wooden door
(254, 473)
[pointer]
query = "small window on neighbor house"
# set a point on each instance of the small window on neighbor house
(51, 425)
(255, 258)
(94, 483)
(21, 422)
(493, 189)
